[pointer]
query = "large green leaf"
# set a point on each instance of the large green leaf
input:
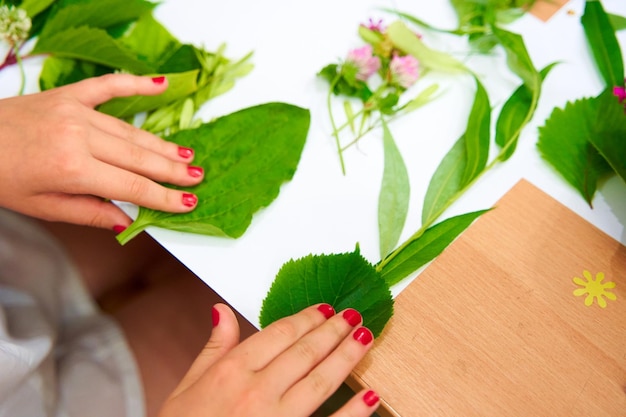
(406, 40)
(517, 111)
(477, 135)
(247, 155)
(603, 42)
(609, 136)
(152, 42)
(564, 143)
(34, 7)
(95, 13)
(393, 200)
(428, 246)
(180, 85)
(92, 45)
(341, 280)
(446, 182)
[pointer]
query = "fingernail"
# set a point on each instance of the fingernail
(352, 317)
(195, 172)
(189, 200)
(370, 398)
(185, 152)
(363, 335)
(118, 229)
(215, 315)
(158, 80)
(327, 310)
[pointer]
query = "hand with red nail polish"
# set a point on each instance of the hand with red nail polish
(63, 161)
(288, 369)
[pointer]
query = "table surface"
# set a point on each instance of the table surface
(323, 211)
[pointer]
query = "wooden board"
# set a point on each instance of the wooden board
(545, 9)
(493, 328)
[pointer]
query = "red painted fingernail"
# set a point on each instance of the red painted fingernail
(118, 229)
(195, 172)
(327, 310)
(189, 200)
(158, 80)
(370, 398)
(215, 315)
(352, 317)
(363, 335)
(185, 152)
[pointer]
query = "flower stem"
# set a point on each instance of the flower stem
(333, 124)
(20, 65)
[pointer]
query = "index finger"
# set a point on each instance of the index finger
(97, 90)
(260, 349)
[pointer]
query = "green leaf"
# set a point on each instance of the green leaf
(517, 111)
(393, 200)
(57, 72)
(34, 7)
(152, 42)
(181, 85)
(517, 57)
(603, 42)
(429, 245)
(446, 183)
(93, 45)
(404, 39)
(423, 98)
(96, 14)
(477, 135)
(610, 133)
(618, 22)
(342, 280)
(564, 143)
(247, 155)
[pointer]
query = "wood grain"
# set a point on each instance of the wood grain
(492, 327)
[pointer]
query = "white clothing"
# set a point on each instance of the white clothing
(59, 355)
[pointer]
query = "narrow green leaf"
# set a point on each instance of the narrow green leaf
(477, 135)
(419, 22)
(180, 86)
(564, 143)
(603, 42)
(93, 45)
(446, 182)
(347, 107)
(428, 246)
(406, 40)
(342, 280)
(516, 112)
(610, 132)
(423, 98)
(517, 57)
(393, 200)
(618, 22)
(247, 156)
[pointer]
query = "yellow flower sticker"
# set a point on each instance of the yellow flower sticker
(594, 288)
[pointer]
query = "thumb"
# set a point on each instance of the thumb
(224, 337)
